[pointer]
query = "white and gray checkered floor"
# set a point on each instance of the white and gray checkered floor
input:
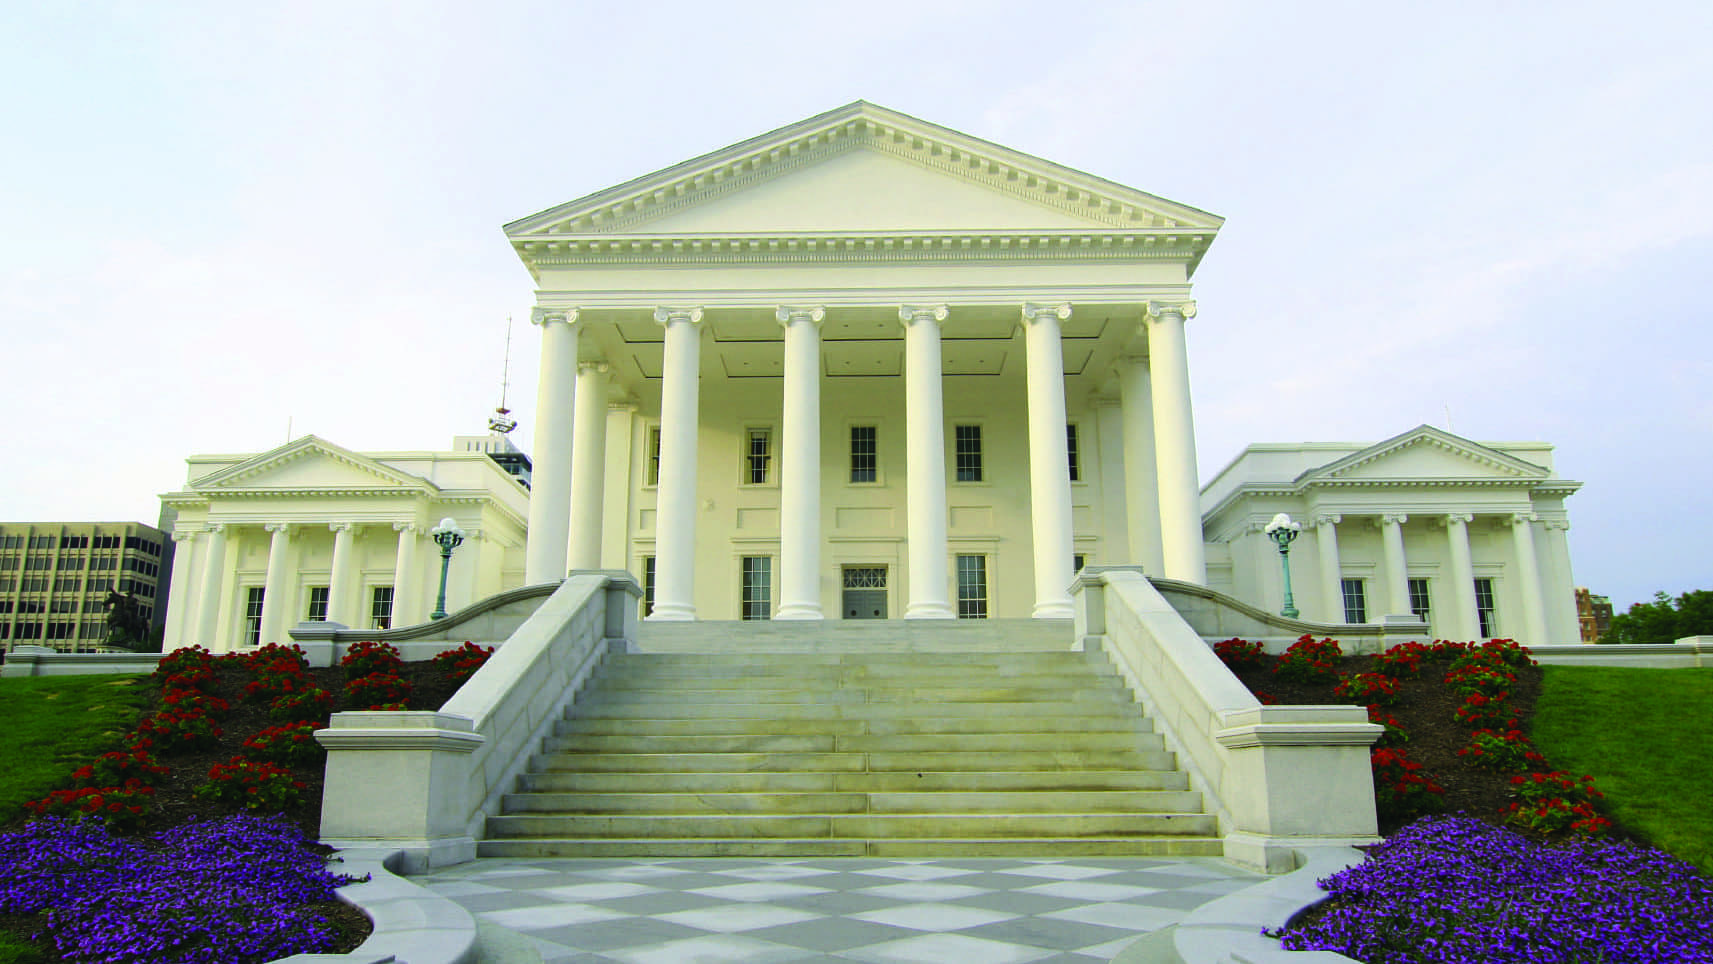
(987, 910)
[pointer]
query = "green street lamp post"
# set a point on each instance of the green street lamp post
(448, 536)
(1283, 532)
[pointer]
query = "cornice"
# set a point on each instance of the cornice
(1545, 487)
(392, 479)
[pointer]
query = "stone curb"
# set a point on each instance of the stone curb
(1228, 930)
(413, 925)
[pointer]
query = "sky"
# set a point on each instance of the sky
(222, 222)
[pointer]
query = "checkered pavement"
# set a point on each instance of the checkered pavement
(978, 910)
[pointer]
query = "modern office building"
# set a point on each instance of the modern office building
(55, 578)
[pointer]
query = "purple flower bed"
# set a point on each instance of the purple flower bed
(1454, 889)
(212, 892)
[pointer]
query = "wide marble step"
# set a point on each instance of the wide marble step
(1049, 801)
(845, 726)
(861, 743)
(613, 709)
(864, 826)
(834, 781)
(854, 762)
(544, 847)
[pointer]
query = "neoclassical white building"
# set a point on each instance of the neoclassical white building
(864, 366)
(312, 531)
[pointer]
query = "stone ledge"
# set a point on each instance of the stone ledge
(413, 925)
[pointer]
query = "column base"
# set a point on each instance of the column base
(1054, 609)
(799, 611)
(671, 613)
(929, 610)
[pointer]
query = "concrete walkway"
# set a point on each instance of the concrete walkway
(989, 910)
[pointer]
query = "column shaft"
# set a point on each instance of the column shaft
(276, 606)
(615, 530)
(1331, 573)
(1049, 466)
(1185, 556)
(588, 466)
(180, 619)
(550, 481)
(800, 467)
(925, 463)
(339, 589)
(1559, 585)
(1141, 476)
(405, 578)
(1397, 570)
(208, 598)
(675, 528)
(1529, 577)
(1465, 624)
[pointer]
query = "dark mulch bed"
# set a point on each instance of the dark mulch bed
(176, 801)
(1424, 708)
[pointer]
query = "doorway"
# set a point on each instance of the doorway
(864, 592)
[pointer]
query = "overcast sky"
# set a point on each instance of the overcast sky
(1492, 217)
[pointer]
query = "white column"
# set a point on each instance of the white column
(550, 475)
(1114, 543)
(675, 526)
(1529, 577)
(339, 589)
(615, 529)
(208, 599)
(925, 462)
(1141, 477)
(1559, 584)
(275, 604)
(1185, 556)
(1397, 570)
(1465, 625)
(588, 466)
(800, 466)
(405, 579)
(1331, 573)
(179, 617)
(1049, 465)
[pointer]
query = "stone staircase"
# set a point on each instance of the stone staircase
(896, 740)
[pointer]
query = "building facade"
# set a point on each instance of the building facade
(311, 531)
(55, 578)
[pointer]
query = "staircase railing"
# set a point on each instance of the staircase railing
(424, 782)
(1278, 777)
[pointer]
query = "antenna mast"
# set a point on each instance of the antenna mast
(501, 421)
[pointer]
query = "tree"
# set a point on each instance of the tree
(1665, 620)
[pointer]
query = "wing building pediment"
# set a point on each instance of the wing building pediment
(1425, 453)
(310, 463)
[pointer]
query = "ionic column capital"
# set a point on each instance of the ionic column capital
(282, 529)
(550, 316)
(184, 535)
(1456, 517)
(666, 316)
(1558, 525)
(1326, 519)
(593, 368)
(625, 404)
(1033, 312)
(215, 528)
(1394, 518)
(912, 314)
(406, 527)
(350, 527)
(786, 314)
(1156, 310)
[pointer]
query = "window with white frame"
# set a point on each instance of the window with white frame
(647, 585)
(317, 610)
(1420, 603)
(865, 465)
(381, 607)
(758, 456)
(757, 587)
(1071, 452)
(967, 452)
(1486, 608)
(1355, 600)
(651, 473)
(253, 616)
(972, 586)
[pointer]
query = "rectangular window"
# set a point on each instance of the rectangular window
(1077, 562)
(1355, 600)
(253, 616)
(1071, 451)
(317, 604)
(381, 607)
(29, 631)
(41, 542)
(647, 585)
(1419, 602)
(1485, 609)
(864, 466)
(757, 587)
(758, 457)
(70, 562)
(94, 630)
(972, 587)
(651, 475)
(967, 442)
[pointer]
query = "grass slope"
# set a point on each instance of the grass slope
(55, 724)
(1641, 732)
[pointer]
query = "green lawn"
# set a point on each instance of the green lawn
(1642, 734)
(55, 724)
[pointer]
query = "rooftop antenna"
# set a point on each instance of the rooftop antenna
(1448, 427)
(501, 421)
(288, 428)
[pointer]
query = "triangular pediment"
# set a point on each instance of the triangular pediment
(310, 463)
(1425, 452)
(862, 169)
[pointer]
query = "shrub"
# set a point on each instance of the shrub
(1548, 803)
(174, 732)
(1486, 712)
(1395, 734)
(367, 658)
(1240, 654)
(1492, 680)
(266, 689)
(195, 701)
(462, 663)
(313, 703)
(1402, 661)
(120, 807)
(1367, 688)
(180, 660)
(290, 744)
(1444, 650)
(1309, 659)
(1401, 789)
(270, 657)
(1507, 750)
(192, 678)
(115, 768)
(252, 785)
(1507, 651)
(376, 689)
